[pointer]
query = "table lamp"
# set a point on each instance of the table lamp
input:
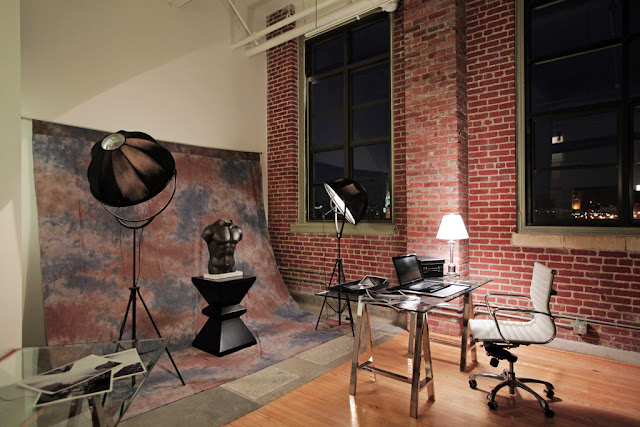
(452, 228)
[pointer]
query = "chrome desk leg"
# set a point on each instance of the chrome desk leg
(412, 331)
(426, 359)
(74, 411)
(356, 350)
(369, 338)
(421, 347)
(467, 313)
(97, 412)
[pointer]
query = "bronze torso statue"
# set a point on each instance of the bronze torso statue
(221, 238)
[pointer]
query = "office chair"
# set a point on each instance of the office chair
(498, 336)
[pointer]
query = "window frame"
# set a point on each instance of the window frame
(524, 195)
(365, 227)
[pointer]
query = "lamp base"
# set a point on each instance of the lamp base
(451, 271)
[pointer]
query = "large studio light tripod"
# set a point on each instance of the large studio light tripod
(126, 170)
(349, 200)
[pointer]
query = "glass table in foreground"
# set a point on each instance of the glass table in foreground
(17, 404)
(417, 304)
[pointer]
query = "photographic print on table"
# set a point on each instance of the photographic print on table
(69, 375)
(99, 384)
(131, 363)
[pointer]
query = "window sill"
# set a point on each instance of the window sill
(570, 241)
(328, 227)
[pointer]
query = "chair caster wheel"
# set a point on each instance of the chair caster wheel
(549, 413)
(550, 393)
(494, 405)
(473, 384)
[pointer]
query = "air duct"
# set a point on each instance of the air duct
(320, 24)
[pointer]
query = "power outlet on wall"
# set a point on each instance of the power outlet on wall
(580, 326)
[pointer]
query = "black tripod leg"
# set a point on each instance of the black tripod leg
(124, 321)
(320, 314)
(338, 266)
(158, 332)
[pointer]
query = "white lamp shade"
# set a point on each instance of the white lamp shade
(452, 228)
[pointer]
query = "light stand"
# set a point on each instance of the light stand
(135, 289)
(338, 270)
(349, 199)
(127, 169)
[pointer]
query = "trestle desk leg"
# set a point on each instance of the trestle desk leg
(467, 313)
(412, 331)
(356, 350)
(97, 411)
(426, 360)
(421, 354)
(74, 411)
(369, 338)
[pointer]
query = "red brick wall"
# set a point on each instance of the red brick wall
(436, 155)
(304, 257)
(595, 284)
(282, 138)
(454, 150)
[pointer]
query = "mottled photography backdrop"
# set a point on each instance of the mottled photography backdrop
(86, 260)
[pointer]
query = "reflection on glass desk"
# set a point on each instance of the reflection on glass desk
(17, 403)
(420, 373)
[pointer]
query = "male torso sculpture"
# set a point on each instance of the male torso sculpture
(221, 238)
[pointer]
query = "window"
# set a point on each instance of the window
(348, 114)
(582, 112)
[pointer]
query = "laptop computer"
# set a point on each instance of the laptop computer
(410, 278)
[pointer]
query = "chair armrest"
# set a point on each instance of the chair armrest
(523, 310)
(490, 308)
(507, 295)
(486, 298)
(494, 315)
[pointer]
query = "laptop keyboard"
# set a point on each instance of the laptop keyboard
(426, 287)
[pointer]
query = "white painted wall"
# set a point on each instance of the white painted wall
(143, 65)
(135, 65)
(10, 196)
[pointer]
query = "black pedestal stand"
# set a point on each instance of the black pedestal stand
(224, 332)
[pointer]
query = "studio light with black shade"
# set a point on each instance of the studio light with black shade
(127, 171)
(452, 228)
(349, 201)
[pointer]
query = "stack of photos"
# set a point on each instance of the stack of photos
(392, 300)
(88, 376)
(371, 283)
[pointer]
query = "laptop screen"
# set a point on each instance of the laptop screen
(407, 268)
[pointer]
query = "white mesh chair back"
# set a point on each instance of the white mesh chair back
(539, 330)
(541, 282)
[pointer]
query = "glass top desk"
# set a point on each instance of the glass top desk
(418, 305)
(17, 403)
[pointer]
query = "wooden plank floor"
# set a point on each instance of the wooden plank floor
(588, 391)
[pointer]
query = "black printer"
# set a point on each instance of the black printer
(430, 266)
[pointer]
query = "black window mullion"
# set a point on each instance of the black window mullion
(368, 55)
(347, 108)
(623, 106)
(626, 127)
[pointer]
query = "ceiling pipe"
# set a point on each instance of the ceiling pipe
(244, 24)
(326, 21)
(178, 3)
(285, 21)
